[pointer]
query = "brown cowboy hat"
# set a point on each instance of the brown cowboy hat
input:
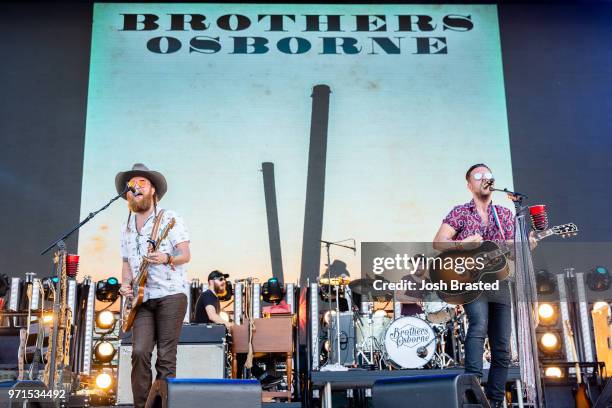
(140, 170)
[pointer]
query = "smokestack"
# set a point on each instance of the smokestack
(276, 258)
(315, 185)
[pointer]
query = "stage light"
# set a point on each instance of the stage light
(598, 279)
(47, 318)
(272, 291)
(328, 316)
(224, 316)
(553, 372)
(600, 305)
(545, 282)
(547, 314)
(104, 351)
(105, 320)
(107, 290)
(380, 313)
(104, 381)
(550, 343)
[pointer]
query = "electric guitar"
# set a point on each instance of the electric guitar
(133, 302)
(581, 397)
(488, 265)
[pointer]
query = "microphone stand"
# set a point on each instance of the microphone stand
(59, 242)
(534, 391)
(337, 366)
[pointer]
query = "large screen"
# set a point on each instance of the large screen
(205, 93)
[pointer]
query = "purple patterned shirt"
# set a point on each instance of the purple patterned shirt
(466, 221)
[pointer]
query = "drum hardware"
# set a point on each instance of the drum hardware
(337, 281)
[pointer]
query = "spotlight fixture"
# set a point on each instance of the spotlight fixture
(105, 320)
(107, 290)
(598, 279)
(104, 381)
(547, 314)
(328, 316)
(272, 291)
(545, 282)
(550, 343)
(553, 372)
(104, 351)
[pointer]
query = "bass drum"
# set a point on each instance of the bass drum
(409, 342)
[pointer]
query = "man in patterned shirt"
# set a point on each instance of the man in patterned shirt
(159, 319)
(466, 226)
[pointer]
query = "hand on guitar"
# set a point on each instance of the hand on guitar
(471, 242)
(157, 258)
(533, 242)
(126, 290)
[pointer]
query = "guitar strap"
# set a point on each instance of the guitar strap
(499, 226)
(155, 230)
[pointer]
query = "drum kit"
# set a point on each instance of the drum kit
(429, 334)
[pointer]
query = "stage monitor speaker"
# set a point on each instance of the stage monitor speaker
(443, 390)
(198, 392)
(192, 361)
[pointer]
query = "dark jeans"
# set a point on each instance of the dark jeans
(495, 319)
(158, 321)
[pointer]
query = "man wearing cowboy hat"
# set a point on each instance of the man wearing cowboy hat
(159, 319)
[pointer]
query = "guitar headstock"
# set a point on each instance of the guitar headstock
(565, 230)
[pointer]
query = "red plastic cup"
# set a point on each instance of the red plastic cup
(535, 210)
(539, 217)
(72, 265)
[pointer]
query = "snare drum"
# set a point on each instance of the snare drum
(409, 342)
(436, 311)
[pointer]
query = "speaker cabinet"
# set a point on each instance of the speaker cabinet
(195, 392)
(192, 361)
(426, 391)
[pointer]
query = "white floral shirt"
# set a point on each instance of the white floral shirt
(162, 280)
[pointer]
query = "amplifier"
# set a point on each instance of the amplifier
(193, 334)
(201, 353)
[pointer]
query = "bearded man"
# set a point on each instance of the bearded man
(159, 319)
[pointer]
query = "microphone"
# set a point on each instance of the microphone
(489, 184)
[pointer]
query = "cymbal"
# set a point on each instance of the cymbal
(339, 281)
(365, 287)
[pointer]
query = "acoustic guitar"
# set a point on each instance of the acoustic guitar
(581, 396)
(488, 265)
(133, 302)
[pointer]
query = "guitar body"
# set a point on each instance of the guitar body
(131, 306)
(133, 303)
(581, 397)
(442, 270)
(494, 266)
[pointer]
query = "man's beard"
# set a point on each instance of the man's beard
(140, 206)
(219, 289)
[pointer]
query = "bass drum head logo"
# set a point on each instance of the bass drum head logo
(410, 342)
